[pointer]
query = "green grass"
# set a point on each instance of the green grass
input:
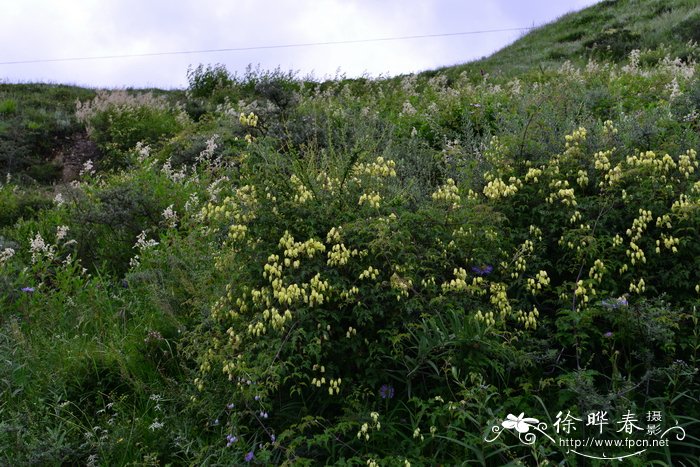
(499, 234)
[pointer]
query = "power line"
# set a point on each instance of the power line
(261, 47)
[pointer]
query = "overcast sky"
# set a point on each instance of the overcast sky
(55, 29)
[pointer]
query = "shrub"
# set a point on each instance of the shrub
(118, 120)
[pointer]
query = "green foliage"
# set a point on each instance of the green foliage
(118, 120)
(35, 122)
(204, 81)
(359, 272)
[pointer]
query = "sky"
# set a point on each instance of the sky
(55, 29)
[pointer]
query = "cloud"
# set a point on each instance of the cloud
(41, 29)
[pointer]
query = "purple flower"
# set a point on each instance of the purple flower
(263, 414)
(230, 439)
(249, 457)
(230, 406)
(257, 398)
(386, 391)
(608, 334)
(615, 302)
(273, 438)
(483, 270)
(28, 289)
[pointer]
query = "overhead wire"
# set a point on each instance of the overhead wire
(260, 47)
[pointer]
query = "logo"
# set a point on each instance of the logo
(596, 436)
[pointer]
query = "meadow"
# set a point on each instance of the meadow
(273, 270)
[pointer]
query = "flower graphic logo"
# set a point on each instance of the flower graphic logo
(520, 423)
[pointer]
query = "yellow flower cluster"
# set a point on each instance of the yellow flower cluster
(533, 174)
(372, 198)
(248, 120)
(609, 128)
(582, 178)
(539, 282)
(617, 240)
(487, 318)
(339, 255)
(650, 159)
(497, 188)
(367, 427)
(584, 291)
(237, 232)
(613, 176)
(578, 136)
(563, 193)
(448, 193)
(536, 232)
(334, 235)
(349, 294)
(664, 221)
(302, 193)
(597, 271)
(635, 253)
(687, 163)
(499, 298)
(496, 152)
(458, 283)
(683, 207)
(520, 263)
(369, 273)
(240, 208)
(639, 225)
(401, 285)
(529, 320)
(669, 242)
(275, 318)
(601, 160)
(328, 184)
(379, 168)
(639, 287)
(575, 217)
(333, 384)
(294, 249)
(573, 142)
(318, 287)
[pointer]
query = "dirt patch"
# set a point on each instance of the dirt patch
(73, 155)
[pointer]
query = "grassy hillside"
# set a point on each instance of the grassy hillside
(606, 31)
(267, 271)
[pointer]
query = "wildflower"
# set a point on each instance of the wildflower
(39, 249)
(615, 302)
(28, 289)
(61, 232)
(5, 255)
(230, 406)
(249, 457)
(386, 391)
(88, 168)
(170, 216)
(483, 270)
(273, 438)
(608, 335)
(156, 425)
(230, 439)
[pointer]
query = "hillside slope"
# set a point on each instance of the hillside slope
(267, 271)
(608, 31)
